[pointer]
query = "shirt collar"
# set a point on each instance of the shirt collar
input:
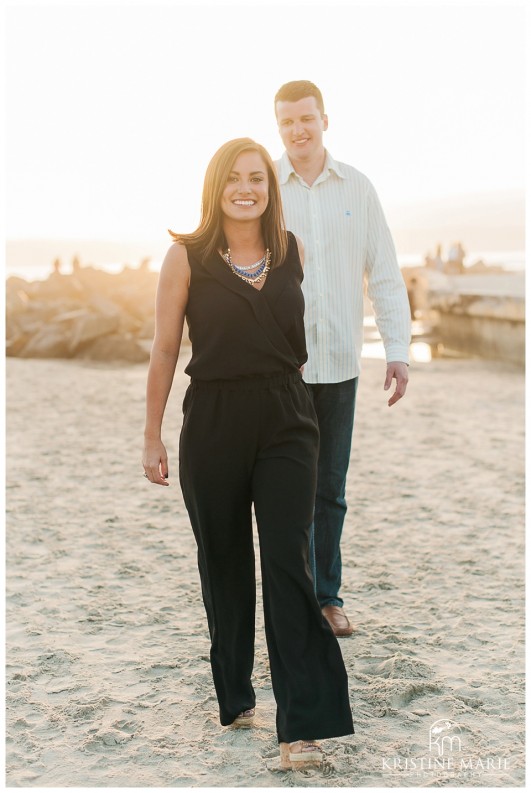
(286, 168)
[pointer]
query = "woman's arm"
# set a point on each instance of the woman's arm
(172, 297)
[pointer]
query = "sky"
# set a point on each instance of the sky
(114, 109)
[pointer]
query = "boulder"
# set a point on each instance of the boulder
(59, 287)
(83, 326)
(51, 341)
(15, 343)
(115, 348)
(90, 313)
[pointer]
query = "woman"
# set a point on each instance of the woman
(249, 438)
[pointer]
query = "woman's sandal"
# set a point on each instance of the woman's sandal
(300, 754)
(245, 719)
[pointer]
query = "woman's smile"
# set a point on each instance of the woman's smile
(247, 188)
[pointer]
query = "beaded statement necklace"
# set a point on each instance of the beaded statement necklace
(261, 268)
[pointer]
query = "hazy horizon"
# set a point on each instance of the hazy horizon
(114, 129)
(490, 221)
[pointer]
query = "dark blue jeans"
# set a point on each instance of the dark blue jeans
(334, 404)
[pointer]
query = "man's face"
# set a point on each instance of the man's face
(301, 127)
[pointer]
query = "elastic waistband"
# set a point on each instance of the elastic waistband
(249, 383)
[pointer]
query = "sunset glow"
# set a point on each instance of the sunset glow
(113, 110)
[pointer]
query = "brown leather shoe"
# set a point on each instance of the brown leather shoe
(338, 620)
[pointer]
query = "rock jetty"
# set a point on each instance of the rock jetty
(478, 313)
(89, 313)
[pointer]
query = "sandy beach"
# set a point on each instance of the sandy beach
(108, 680)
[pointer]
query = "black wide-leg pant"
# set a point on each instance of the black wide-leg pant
(246, 442)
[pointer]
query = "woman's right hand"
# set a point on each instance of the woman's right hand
(172, 299)
(155, 462)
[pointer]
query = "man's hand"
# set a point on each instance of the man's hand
(398, 371)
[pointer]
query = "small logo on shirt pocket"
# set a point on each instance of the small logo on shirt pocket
(348, 213)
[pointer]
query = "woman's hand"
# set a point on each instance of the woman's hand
(155, 462)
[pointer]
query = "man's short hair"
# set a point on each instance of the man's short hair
(299, 89)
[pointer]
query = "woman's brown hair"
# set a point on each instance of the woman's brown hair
(209, 235)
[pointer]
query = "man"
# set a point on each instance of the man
(334, 209)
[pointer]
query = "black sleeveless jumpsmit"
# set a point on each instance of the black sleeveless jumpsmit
(237, 331)
(249, 437)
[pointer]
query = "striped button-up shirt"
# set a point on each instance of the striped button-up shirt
(345, 235)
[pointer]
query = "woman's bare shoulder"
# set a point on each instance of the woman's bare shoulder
(177, 254)
(176, 259)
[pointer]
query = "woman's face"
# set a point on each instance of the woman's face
(246, 194)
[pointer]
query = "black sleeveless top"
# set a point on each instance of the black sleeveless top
(238, 331)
